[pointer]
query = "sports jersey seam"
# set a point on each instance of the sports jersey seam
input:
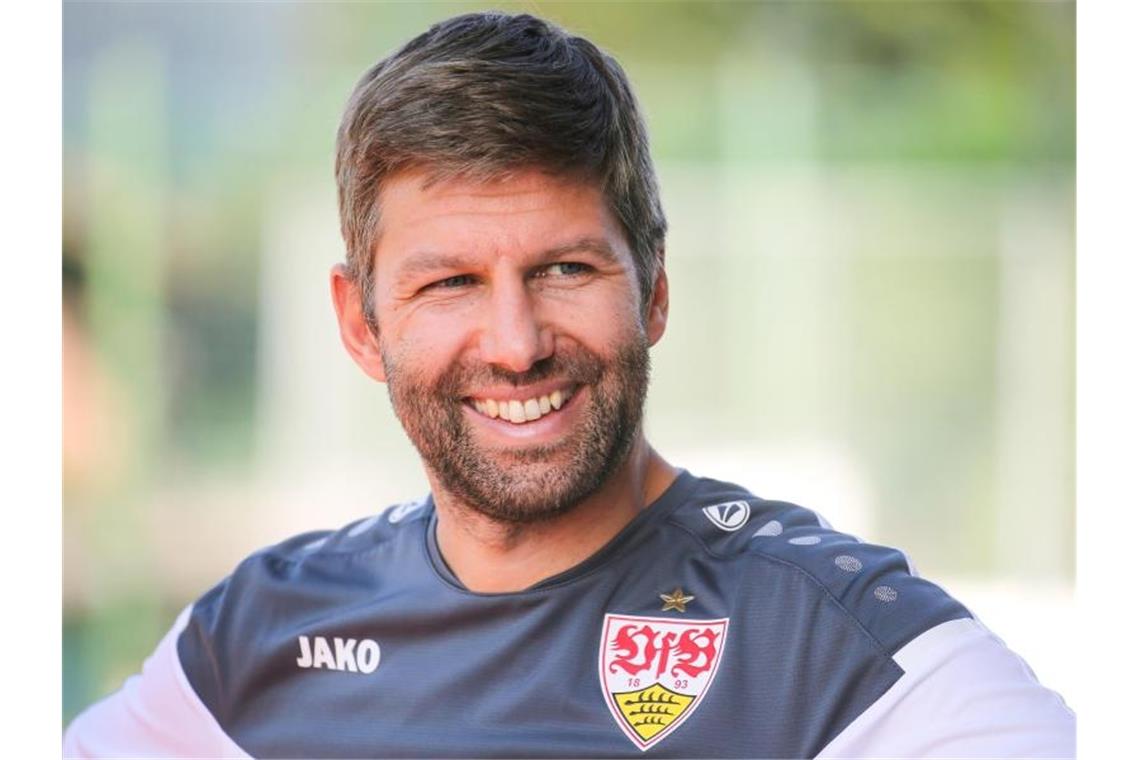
(425, 551)
(191, 694)
(212, 660)
(819, 585)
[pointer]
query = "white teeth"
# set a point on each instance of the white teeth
(520, 411)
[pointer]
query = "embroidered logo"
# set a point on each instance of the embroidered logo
(676, 601)
(655, 671)
(345, 654)
(729, 516)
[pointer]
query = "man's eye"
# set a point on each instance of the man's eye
(455, 281)
(564, 269)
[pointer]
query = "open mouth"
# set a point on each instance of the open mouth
(520, 411)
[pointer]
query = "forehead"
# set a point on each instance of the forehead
(523, 210)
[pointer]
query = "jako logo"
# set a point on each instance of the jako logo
(729, 516)
(344, 654)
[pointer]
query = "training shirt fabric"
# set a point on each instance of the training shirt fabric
(715, 624)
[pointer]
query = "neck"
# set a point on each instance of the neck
(492, 557)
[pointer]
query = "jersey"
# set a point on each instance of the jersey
(715, 624)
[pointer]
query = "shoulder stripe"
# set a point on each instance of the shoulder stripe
(962, 694)
(218, 739)
(155, 714)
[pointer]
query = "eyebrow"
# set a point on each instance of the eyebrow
(430, 261)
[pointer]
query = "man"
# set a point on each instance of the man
(563, 590)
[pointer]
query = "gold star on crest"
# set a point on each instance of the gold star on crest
(675, 601)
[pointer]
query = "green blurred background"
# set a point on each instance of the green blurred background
(871, 259)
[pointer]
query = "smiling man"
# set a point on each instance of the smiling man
(563, 590)
(507, 321)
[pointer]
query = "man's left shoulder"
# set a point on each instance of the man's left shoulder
(874, 586)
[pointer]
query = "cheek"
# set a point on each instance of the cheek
(609, 306)
(424, 346)
(603, 335)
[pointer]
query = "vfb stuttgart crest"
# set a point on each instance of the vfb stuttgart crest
(655, 671)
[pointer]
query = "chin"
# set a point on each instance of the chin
(530, 493)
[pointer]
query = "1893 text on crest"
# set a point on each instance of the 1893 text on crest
(656, 671)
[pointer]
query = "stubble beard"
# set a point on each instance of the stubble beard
(521, 486)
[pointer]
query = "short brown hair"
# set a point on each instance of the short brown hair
(484, 94)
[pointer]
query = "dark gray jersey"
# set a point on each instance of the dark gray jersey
(716, 624)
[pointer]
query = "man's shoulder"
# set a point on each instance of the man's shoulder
(791, 551)
(368, 534)
(315, 572)
(317, 578)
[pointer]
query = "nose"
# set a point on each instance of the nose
(514, 336)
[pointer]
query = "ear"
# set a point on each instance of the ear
(359, 340)
(658, 313)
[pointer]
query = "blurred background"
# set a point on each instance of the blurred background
(871, 210)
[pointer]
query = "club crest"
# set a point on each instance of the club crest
(655, 671)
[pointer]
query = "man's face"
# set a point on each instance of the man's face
(512, 337)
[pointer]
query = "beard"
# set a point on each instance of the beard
(526, 485)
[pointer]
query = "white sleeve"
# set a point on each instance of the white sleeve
(962, 694)
(155, 714)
